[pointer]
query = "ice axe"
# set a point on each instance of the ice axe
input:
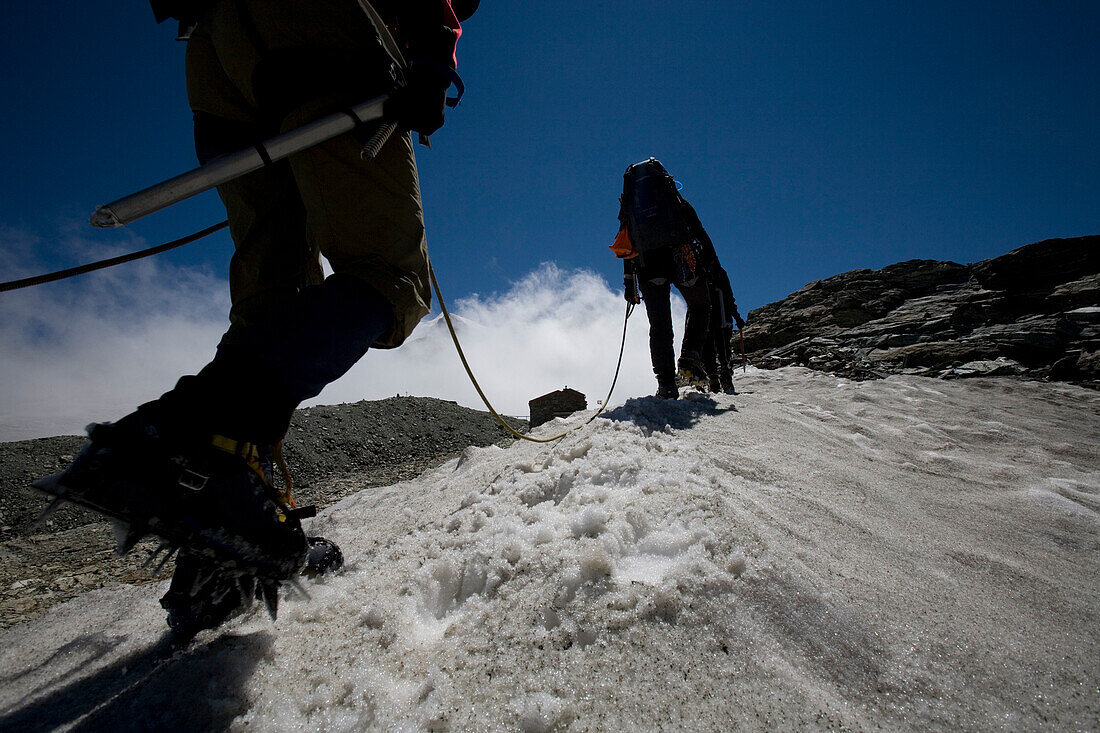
(226, 168)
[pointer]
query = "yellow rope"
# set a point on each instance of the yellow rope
(473, 379)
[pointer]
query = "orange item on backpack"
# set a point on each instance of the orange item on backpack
(623, 247)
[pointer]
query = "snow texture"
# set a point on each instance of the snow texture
(811, 553)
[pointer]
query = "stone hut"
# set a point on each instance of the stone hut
(562, 403)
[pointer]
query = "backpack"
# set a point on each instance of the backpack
(185, 11)
(651, 207)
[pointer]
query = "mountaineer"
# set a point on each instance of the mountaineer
(717, 356)
(663, 244)
(195, 466)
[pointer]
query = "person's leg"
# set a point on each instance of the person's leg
(695, 325)
(709, 353)
(724, 348)
(298, 62)
(710, 364)
(712, 345)
(291, 333)
(273, 258)
(662, 352)
(187, 465)
(366, 218)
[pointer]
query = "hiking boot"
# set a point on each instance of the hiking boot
(666, 387)
(726, 381)
(200, 496)
(668, 391)
(715, 385)
(691, 372)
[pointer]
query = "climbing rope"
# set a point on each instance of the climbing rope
(369, 151)
(111, 262)
(473, 379)
(102, 264)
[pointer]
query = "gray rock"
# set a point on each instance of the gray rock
(985, 368)
(1040, 265)
(1034, 312)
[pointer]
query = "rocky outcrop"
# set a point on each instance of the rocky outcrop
(1033, 312)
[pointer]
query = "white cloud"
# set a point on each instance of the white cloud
(94, 347)
(551, 329)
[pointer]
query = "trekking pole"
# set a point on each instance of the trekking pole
(744, 359)
(226, 168)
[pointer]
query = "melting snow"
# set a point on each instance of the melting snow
(810, 553)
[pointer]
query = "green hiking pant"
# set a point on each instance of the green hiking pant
(256, 68)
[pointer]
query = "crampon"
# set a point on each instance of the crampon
(203, 595)
(691, 373)
(206, 503)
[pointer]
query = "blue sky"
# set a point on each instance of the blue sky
(813, 138)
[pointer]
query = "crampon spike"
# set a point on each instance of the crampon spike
(246, 585)
(172, 549)
(201, 579)
(220, 595)
(50, 484)
(126, 536)
(47, 513)
(298, 588)
(153, 555)
(269, 589)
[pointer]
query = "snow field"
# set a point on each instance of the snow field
(809, 554)
(562, 550)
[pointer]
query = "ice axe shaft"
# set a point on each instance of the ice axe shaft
(226, 168)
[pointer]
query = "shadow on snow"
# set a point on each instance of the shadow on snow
(655, 414)
(148, 689)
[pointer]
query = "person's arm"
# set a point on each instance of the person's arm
(630, 282)
(737, 316)
(721, 280)
(427, 34)
(728, 295)
(707, 255)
